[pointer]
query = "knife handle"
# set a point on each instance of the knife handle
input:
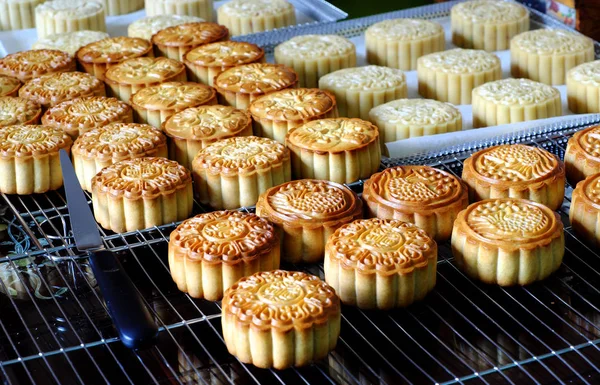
(130, 315)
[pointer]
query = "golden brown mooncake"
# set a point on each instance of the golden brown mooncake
(546, 55)
(487, 24)
(341, 150)
(313, 56)
(26, 65)
(153, 105)
(205, 62)
(195, 128)
(15, 110)
(139, 193)
(210, 252)
(450, 76)
(357, 90)
(174, 42)
(275, 114)
(51, 89)
(29, 160)
(232, 173)
(423, 195)
(380, 263)
(106, 145)
(515, 171)
(250, 16)
(583, 88)
(508, 241)
(128, 77)
(307, 212)
(512, 101)
(584, 213)
(9, 86)
(398, 43)
(582, 157)
(97, 57)
(239, 86)
(84, 114)
(279, 319)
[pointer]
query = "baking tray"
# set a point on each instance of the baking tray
(54, 327)
(308, 12)
(439, 13)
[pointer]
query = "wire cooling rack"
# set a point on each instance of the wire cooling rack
(54, 325)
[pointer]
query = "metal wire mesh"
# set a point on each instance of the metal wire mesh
(55, 327)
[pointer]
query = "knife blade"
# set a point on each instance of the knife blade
(130, 315)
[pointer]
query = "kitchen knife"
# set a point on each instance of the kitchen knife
(130, 315)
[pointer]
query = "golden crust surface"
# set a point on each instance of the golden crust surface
(256, 78)
(190, 34)
(309, 202)
(144, 70)
(225, 54)
(118, 141)
(513, 165)
(551, 42)
(588, 142)
(382, 247)
(145, 177)
(51, 89)
(173, 96)
(114, 50)
(404, 29)
(227, 237)
(293, 104)
(510, 223)
(241, 155)
(31, 140)
(86, 112)
(333, 135)
(25, 65)
(590, 190)
(15, 110)
(281, 300)
(207, 122)
(490, 11)
(9, 85)
(415, 188)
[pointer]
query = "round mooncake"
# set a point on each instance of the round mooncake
(380, 263)
(508, 241)
(279, 319)
(210, 252)
(515, 171)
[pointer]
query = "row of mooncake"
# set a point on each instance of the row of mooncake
(62, 16)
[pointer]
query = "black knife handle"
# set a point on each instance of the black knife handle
(130, 315)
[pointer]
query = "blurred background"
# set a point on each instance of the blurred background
(360, 8)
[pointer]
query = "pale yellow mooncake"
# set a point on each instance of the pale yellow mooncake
(546, 55)
(313, 56)
(250, 16)
(398, 43)
(487, 24)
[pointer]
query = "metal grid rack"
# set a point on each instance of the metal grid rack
(55, 328)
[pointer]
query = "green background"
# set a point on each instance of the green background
(360, 8)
